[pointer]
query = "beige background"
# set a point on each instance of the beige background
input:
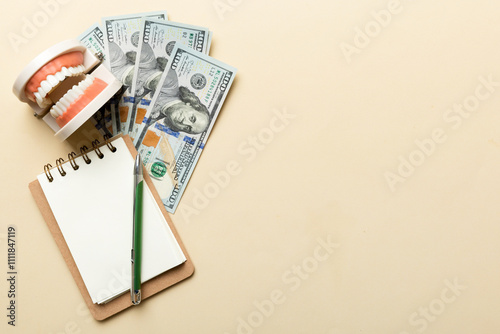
(320, 177)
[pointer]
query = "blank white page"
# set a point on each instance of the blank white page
(93, 207)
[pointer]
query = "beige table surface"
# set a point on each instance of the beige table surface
(370, 206)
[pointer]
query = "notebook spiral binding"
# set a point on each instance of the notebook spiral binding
(83, 153)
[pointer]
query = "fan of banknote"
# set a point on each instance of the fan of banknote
(172, 92)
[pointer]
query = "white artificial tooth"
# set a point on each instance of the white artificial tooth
(78, 90)
(65, 71)
(64, 102)
(52, 80)
(83, 84)
(57, 110)
(42, 103)
(60, 107)
(42, 92)
(46, 86)
(72, 95)
(73, 70)
(75, 94)
(74, 88)
(53, 112)
(68, 97)
(60, 76)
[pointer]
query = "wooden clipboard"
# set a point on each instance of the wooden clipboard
(149, 288)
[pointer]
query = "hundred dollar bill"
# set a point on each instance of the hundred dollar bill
(121, 39)
(179, 119)
(92, 39)
(156, 42)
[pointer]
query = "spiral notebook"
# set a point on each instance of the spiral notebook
(87, 202)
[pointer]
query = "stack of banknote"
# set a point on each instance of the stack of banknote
(171, 96)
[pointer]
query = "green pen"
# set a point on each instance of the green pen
(135, 290)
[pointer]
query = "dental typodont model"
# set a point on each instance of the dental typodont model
(65, 85)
